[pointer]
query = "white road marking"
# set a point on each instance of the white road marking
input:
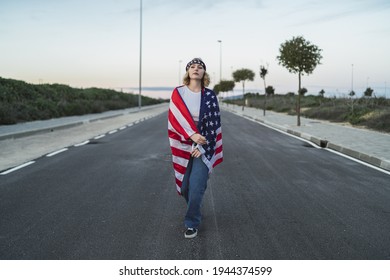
(17, 168)
(358, 161)
(57, 152)
(113, 131)
(99, 136)
(82, 144)
(318, 147)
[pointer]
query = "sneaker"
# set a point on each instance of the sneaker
(191, 233)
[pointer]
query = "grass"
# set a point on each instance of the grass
(369, 112)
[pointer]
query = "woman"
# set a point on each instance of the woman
(194, 130)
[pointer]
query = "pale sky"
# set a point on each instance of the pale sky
(88, 43)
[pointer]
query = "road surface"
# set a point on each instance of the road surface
(273, 197)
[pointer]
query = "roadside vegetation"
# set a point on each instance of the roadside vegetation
(301, 57)
(369, 112)
(22, 102)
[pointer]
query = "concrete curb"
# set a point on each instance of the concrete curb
(323, 143)
(52, 128)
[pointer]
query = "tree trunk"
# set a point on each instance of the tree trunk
(265, 98)
(243, 94)
(299, 101)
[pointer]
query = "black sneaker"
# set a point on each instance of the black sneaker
(191, 233)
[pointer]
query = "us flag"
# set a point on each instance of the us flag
(181, 126)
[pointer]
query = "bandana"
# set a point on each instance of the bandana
(196, 61)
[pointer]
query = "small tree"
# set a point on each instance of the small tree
(302, 91)
(263, 73)
(368, 92)
(270, 90)
(321, 93)
(352, 94)
(242, 75)
(224, 86)
(299, 57)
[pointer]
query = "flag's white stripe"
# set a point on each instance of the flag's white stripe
(180, 118)
(218, 144)
(179, 176)
(179, 160)
(179, 145)
(171, 128)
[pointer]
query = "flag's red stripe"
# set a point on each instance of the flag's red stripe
(176, 125)
(178, 101)
(179, 168)
(218, 161)
(180, 153)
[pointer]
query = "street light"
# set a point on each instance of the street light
(220, 60)
(140, 57)
(352, 80)
(179, 73)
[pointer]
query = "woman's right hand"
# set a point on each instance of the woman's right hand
(198, 139)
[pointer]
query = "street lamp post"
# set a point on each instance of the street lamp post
(220, 60)
(179, 73)
(140, 58)
(352, 80)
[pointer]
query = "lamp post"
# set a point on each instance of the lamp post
(220, 60)
(140, 57)
(179, 73)
(352, 80)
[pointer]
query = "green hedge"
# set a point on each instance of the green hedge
(21, 102)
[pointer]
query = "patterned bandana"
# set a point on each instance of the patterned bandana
(196, 61)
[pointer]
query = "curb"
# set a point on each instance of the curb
(21, 134)
(323, 143)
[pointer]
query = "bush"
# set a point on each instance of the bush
(25, 102)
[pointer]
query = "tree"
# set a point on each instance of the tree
(263, 73)
(303, 91)
(321, 93)
(270, 90)
(368, 92)
(299, 57)
(224, 86)
(242, 75)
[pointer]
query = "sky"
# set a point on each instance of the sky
(94, 43)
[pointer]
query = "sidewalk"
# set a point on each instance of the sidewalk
(25, 142)
(363, 144)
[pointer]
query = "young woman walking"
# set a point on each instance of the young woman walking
(195, 137)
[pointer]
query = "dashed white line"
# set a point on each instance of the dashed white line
(82, 144)
(17, 168)
(113, 131)
(99, 136)
(122, 128)
(56, 152)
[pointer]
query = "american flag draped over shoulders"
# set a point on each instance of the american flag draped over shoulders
(181, 126)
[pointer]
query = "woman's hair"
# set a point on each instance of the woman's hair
(205, 79)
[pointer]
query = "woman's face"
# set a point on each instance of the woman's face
(196, 71)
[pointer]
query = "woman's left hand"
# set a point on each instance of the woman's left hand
(196, 153)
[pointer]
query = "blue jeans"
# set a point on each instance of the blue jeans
(193, 188)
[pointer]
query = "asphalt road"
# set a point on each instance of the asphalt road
(273, 197)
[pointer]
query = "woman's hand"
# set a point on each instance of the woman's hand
(196, 153)
(198, 139)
